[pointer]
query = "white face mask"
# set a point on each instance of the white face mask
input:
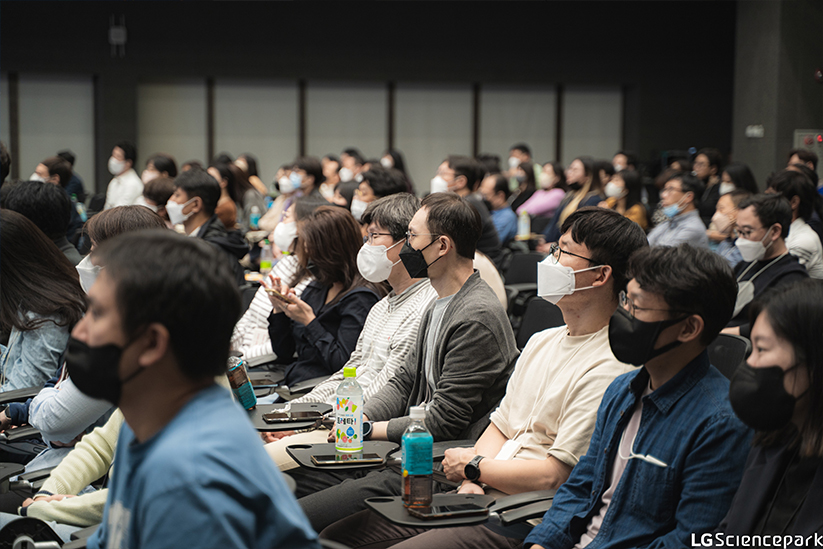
(149, 175)
(554, 281)
(513, 162)
(387, 162)
(345, 174)
(752, 250)
(726, 188)
(545, 181)
(613, 190)
(286, 185)
(175, 211)
(439, 185)
(358, 207)
(373, 263)
(88, 273)
(618, 167)
(36, 177)
(284, 235)
(116, 167)
(141, 201)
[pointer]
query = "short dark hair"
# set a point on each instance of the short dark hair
(60, 167)
(46, 205)
(689, 184)
(67, 155)
(491, 162)
(359, 159)
(522, 147)
(197, 182)
(129, 151)
(741, 176)
(311, 166)
(737, 196)
(790, 183)
(467, 167)
(251, 162)
(191, 164)
(805, 155)
(393, 213)
(329, 157)
(195, 296)
(5, 162)
(606, 166)
(501, 185)
(689, 279)
(159, 190)
(121, 219)
(631, 158)
(770, 209)
(714, 155)
(450, 215)
(610, 237)
(808, 172)
(383, 182)
(634, 186)
(164, 163)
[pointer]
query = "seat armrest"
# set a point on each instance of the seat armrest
(290, 392)
(19, 395)
(520, 500)
(527, 512)
(19, 433)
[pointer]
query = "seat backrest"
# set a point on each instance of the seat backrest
(540, 315)
(727, 352)
(523, 268)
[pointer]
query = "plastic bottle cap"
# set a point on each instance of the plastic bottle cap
(417, 412)
(350, 371)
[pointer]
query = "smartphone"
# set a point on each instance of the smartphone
(277, 295)
(344, 459)
(448, 511)
(262, 383)
(288, 417)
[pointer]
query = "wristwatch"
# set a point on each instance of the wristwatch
(472, 469)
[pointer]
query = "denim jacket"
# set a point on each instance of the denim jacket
(687, 424)
(32, 357)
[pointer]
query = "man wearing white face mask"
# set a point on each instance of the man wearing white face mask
(679, 199)
(763, 223)
(126, 186)
(390, 330)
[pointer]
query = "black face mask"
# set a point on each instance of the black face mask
(759, 398)
(632, 341)
(576, 186)
(414, 262)
(94, 370)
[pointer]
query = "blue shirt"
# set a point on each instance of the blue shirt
(685, 227)
(505, 221)
(688, 424)
(728, 251)
(203, 481)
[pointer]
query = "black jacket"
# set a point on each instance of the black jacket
(231, 243)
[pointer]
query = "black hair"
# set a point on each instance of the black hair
(606, 166)
(631, 158)
(251, 162)
(237, 184)
(5, 162)
(689, 184)
(808, 172)
(129, 151)
(398, 162)
(159, 190)
(560, 173)
(501, 185)
(67, 155)
(329, 157)
(528, 169)
(46, 205)
(795, 313)
(790, 183)
(383, 182)
(196, 182)
(60, 167)
(610, 237)
(741, 176)
(194, 297)
(222, 158)
(164, 163)
(191, 164)
(805, 155)
(689, 279)
(634, 186)
(684, 163)
(393, 213)
(737, 196)
(491, 162)
(311, 166)
(359, 159)
(468, 168)
(37, 278)
(715, 157)
(450, 215)
(770, 209)
(346, 190)
(522, 147)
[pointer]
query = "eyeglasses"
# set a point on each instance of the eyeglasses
(370, 237)
(410, 235)
(667, 190)
(746, 233)
(555, 251)
(627, 303)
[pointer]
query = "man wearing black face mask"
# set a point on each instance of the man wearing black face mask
(667, 451)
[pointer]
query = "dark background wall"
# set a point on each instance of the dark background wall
(674, 59)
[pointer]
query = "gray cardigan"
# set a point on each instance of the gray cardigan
(476, 353)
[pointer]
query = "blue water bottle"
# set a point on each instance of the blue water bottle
(416, 460)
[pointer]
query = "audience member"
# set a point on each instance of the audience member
(186, 166)
(126, 186)
(779, 394)
(195, 197)
(243, 194)
(75, 185)
(331, 167)
(40, 301)
(737, 175)
(624, 195)
(707, 167)
(190, 470)
(159, 165)
(585, 189)
(226, 209)
(524, 176)
(679, 204)
(521, 153)
(377, 182)
(57, 170)
(552, 397)
(393, 158)
(307, 176)
(667, 451)
(287, 193)
(495, 191)
(624, 160)
(48, 207)
(156, 193)
(763, 223)
(549, 195)
(605, 170)
(803, 156)
(490, 162)
(803, 242)
(248, 164)
(344, 193)
(320, 328)
(464, 354)
(722, 231)
(351, 161)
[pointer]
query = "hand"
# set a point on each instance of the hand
(275, 435)
(716, 236)
(300, 311)
(56, 497)
(455, 462)
(732, 331)
(277, 284)
(470, 488)
(5, 422)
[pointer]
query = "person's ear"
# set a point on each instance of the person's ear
(775, 231)
(603, 275)
(444, 245)
(155, 343)
(691, 328)
(197, 205)
(795, 202)
(689, 197)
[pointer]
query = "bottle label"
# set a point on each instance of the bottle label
(416, 454)
(240, 384)
(348, 424)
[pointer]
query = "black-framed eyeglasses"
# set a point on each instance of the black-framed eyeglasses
(370, 237)
(555, 251)
(626, 302)
(410, 235)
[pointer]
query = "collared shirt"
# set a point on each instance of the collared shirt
(505, 221)
(688, 425)
(686, 227)
(124, 189)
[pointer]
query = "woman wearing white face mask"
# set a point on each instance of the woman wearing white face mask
(549, 195)
(159, 165)
(623, 196)
(288, 192)
(762, 225)
(126, 186)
